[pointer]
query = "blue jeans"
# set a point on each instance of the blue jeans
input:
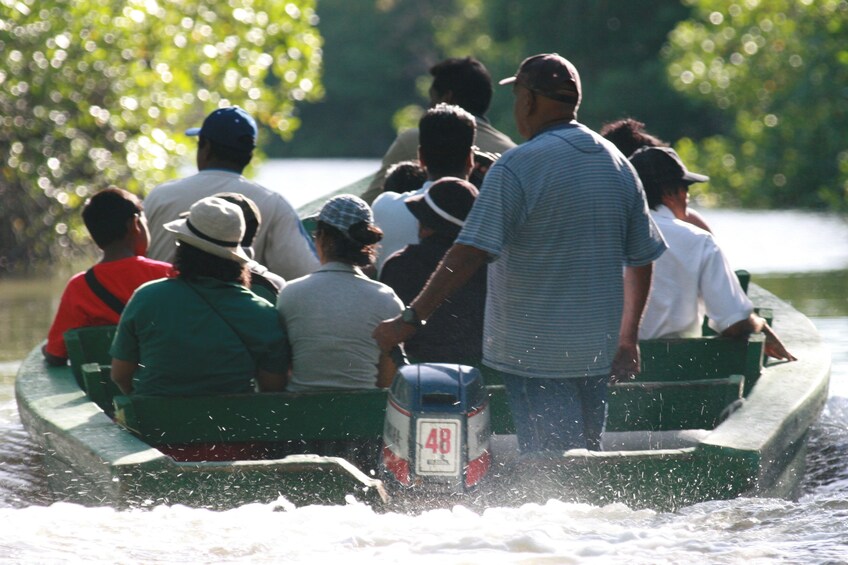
(557, 414)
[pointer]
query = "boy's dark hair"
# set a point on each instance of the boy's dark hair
(235, 160)
(107, 213)
(191, 263)
(445, 138)
(468, 81)
(629, 135)
(250, 211)
(358, 248)
(405, 176)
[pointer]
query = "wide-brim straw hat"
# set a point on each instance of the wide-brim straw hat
(215, 226)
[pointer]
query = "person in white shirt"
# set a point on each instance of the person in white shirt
(224, 149)
(693, 276)
(446, 149)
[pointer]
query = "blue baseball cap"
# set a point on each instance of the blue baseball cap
(231, 127)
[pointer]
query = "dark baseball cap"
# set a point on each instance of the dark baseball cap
(549, 75)
(662, 165)
(444, 205)
(231, 127)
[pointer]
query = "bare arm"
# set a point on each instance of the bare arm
(386, 370)
(756, 324)
(637, 285)
(122, 374)
(270, 382)
(457, 267)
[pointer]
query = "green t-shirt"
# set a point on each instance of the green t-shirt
(183, 347)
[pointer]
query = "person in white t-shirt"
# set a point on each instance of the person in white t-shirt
(693, 276)
(447, 135)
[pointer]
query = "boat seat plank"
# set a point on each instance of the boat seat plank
(655, 406)
(687, 359)
(660, 406)
(88, 345)
(259, 417)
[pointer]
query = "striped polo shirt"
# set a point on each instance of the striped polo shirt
(559, 215)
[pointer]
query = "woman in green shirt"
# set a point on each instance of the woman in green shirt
(203, 332)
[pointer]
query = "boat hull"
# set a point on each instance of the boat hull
(759, 450)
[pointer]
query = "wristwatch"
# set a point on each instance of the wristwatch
(410, 316)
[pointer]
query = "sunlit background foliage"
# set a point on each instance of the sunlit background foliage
(779, 69)
(98, 93)
(752, 92)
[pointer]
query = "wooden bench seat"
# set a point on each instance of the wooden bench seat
(279, 423)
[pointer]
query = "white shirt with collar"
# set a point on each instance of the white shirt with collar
(692, 278)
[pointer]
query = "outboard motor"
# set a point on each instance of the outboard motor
(437, 430)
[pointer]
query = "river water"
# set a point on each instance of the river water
(801, 257)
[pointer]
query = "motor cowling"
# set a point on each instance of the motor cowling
(437, 430)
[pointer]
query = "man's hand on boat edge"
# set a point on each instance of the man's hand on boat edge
(626, 363)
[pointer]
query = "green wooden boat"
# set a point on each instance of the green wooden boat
(706, 420)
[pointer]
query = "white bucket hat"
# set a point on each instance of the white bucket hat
(215, 226)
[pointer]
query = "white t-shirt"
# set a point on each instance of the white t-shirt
(691, 278)
(400, 227)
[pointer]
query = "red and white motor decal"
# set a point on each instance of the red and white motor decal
(479, 438)
(438, 447)
(396, 442)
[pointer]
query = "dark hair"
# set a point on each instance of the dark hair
(446, 136)
(654, 192)
(629, 135)
(250, 211)
(191, 263)
(468, 81)
(405, 176)
(228, 157)
(358, 247)
(107, 213)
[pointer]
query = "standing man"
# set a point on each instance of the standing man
(556, 218)
(462, 82)
(225, 147)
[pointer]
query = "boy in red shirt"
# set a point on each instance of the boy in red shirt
(96, 297)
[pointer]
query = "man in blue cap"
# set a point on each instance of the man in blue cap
(225, 147)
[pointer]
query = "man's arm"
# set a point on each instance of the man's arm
(267, 381)
(756, 324)
(386, 370)
(455, 270)
(122, 374)
(637, 285)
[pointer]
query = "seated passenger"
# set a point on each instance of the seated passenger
(628, 135)
(115, 220)
(446, 149)
(693, 276)
(262, 281)
(454, 333)
(203, 332)
(405, 177)
(330, 314)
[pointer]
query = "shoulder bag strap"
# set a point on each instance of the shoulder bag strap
(212, 307)
(103, 293)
